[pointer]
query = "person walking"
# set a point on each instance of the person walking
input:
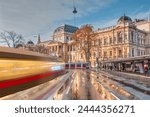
(148, 72)
(146, 69)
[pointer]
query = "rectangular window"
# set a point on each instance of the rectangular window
(114, 40)
(144, 42)
(100, 42)
(110, 40)
(120, 53)
(132, 36)
(132, 52)
(110, 53)
(105, 54)
(105, 41)
(67, 38)
(138, 52)
(68, 49)
(138, 40)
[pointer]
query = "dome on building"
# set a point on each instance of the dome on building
(19, 45)
(30, 43)
(124, 19)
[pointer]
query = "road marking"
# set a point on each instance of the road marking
(115, 96)
(68, 90)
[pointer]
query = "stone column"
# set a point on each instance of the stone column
(112, 53)
(123, 51)
(116, 52)
(58, 49)
(116, 37)
(128, 51)
(63, 47)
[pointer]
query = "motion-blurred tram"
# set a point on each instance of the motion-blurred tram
(133, 64)
(20, 69)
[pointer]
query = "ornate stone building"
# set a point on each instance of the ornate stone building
(63, 33)
(59, 46)
(125, 39)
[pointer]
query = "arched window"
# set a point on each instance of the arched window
(94, 55)
(132, 36)
(100, 42)
(110, 40)
(119, 37)
(105, 54)
(105, 41)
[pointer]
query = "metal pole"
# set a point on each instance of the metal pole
(69, 62)
(74, 12)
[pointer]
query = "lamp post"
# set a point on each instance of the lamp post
(97, 59)
(69, 61)
(69, 45)
(74, 12)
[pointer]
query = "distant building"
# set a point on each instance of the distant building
(59, 45)
(63, 33)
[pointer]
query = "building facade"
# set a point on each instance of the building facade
(125, 39)
(59, 45)
(63, 33)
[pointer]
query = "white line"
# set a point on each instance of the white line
(68, 90)
(100, 84)
(115, 96)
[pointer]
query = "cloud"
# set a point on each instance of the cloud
(142, 15)
(111, 22)
(30, 17)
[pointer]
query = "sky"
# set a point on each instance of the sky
(33, 17)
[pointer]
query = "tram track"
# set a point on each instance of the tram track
(114, 88)
(137, 88)
(136, 84)
(102, 91)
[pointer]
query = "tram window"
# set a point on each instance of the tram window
(67, 65)
(72, 65)
(78, 65)
(84, 65)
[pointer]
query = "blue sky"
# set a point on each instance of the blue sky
(32, 17)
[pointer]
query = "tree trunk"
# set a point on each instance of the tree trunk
(87, 57)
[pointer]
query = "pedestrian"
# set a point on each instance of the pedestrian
(148, 73)
(146, 69)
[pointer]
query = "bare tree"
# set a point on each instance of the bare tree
(83, 37)
(11, 38)
(41, 49)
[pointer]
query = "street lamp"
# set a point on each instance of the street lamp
(69, 44)
(74, 12)
(97, 60)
